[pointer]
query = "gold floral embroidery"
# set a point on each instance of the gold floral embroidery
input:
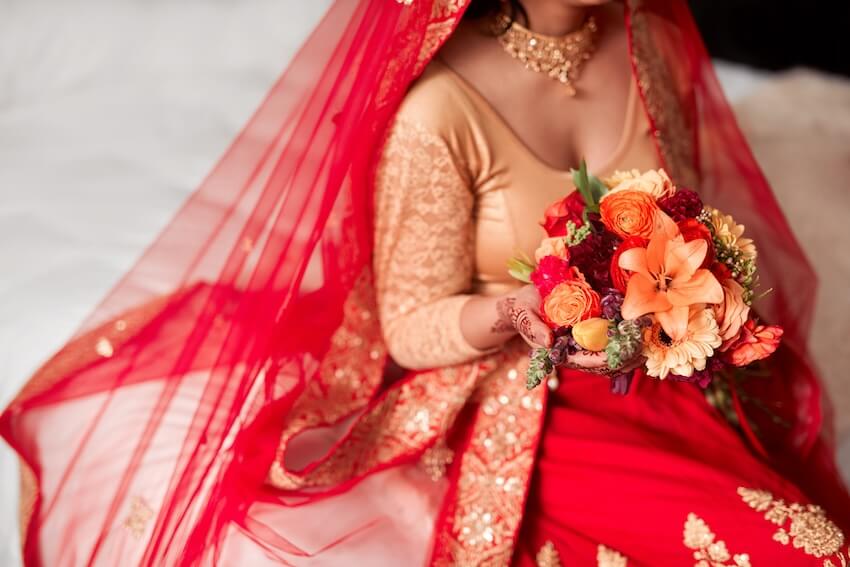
(842, 559)
(675, 136)
(708, 550)
(808, 527)
(606, 557)
(548, 556)
(138, 518)
(481, 523)
(436, 460)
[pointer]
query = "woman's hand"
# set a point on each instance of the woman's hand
(520, 311)
(596, 363)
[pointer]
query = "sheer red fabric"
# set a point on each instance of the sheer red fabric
(148, 438)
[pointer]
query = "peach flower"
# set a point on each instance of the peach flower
(756, 342)
(684, 356)
(555, 246)
(570, 302)
(629, 213)
(667, 279)
(731, 313)
(655, 183)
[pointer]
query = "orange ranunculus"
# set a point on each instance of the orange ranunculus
(731, 313)
(570, 302)
(629, 213)
(667, 278)
(755, 343)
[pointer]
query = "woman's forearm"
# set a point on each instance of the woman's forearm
(487, 322)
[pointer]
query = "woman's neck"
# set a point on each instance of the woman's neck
(553, 17)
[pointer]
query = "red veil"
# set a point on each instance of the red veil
(156, 436)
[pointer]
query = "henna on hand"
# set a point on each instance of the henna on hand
(522, 323)
(504, 310)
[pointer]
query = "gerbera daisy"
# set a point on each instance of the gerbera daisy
(730, 234)
(686, 355)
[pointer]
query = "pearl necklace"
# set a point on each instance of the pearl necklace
(559, 58)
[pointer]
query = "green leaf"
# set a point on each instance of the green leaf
(589, 187)
(520, 269)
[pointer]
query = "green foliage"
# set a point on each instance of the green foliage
(520, 268)
(624, 343)
(590, 187)
(576, 234)
(539, 367)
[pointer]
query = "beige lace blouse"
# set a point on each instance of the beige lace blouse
(458, 195)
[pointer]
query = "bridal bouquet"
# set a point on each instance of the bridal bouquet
(645, 274)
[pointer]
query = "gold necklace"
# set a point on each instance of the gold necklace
(559, 58)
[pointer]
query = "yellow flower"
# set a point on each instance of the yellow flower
(730, 233)
(654, 182)
(682, 357)
(592, 334)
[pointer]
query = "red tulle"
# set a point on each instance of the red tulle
(149, 436)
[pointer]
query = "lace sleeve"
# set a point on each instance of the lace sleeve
(423, 249)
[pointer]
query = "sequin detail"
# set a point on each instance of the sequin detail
(548, 556)
(479, 526)
(708, 550)
(436, 460)
(673, 133)
(804, 526)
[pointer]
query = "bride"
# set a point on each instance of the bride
(321, 359)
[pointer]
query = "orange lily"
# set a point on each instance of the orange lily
(667, 278)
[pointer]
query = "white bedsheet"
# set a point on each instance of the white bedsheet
(110, 114)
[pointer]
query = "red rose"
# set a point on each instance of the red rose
(692, 229)
(550, 271)
(559, 213)
(721, 271)
(619, 276)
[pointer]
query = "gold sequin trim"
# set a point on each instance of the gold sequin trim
(481, 523)
(436, 460)
(673, 132)
(606, 557)
(804, 526)
(548, 556)
(708, 550)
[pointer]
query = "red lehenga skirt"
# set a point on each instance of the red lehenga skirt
(660, 478)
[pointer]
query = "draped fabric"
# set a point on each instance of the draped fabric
(180, 425)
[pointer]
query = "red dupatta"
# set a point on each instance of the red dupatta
(157, 435)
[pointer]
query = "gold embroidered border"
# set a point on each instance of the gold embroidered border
(804, 526)
(673, 133)
(481, 524)
(708, 550)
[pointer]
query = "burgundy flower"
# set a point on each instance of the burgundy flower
(701, 378)
(593, 257)
(612, 302)
(550, 272)
(684, 204)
